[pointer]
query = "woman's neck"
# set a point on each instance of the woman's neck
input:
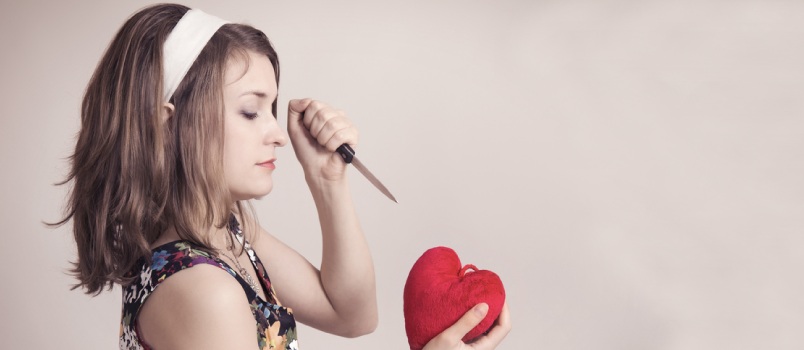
(216, 237)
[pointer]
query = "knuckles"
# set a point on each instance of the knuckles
(316, 105)
(328, 125)
(341, 136)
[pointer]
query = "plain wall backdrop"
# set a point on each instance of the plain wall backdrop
(631, 169)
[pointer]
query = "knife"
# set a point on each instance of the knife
(348, 155)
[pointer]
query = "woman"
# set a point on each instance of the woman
(178, 132)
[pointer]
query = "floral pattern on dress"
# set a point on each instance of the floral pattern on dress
(276, 326)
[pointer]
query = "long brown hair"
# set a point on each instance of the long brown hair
(134, 176)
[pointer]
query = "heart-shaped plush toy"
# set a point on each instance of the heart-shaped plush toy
(439, 291)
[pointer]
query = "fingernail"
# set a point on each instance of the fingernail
(481, 309)
(298, 106)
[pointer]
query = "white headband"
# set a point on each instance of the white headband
(184, 44)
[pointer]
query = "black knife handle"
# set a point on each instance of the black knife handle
(346, 152)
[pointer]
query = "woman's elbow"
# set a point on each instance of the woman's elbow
(361, 327)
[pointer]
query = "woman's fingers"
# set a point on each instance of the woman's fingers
(498, 331)
(336, 131)
(316, 131)
(343, 136)
(451, 337)
(328, 126)
(296, 109)
(467, 322)
(319, 116)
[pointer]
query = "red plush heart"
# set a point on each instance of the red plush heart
(438, 292)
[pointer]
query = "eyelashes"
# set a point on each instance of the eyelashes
(249, 116)
(252, 116)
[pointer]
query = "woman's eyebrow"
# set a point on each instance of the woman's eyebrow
(258, 93)
(261, 96)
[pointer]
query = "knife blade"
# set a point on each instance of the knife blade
(348, 155)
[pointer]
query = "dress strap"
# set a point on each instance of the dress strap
(237, 233)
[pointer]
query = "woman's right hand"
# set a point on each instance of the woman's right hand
(450, 338)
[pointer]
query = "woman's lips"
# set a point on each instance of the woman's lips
(268, 164)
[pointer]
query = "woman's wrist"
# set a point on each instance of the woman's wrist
(324, 189)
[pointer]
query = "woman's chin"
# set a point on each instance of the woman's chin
(256, 193)
(261, 194)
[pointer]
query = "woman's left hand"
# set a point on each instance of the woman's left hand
(316, 131)
(450, 339)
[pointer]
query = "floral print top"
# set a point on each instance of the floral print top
(276, 327)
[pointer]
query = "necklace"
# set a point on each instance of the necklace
(244, 273)
(234, 229)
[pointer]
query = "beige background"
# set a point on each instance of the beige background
(631, 169)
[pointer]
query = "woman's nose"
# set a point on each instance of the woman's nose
(275, 134)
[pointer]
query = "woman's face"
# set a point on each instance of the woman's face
(252, 133)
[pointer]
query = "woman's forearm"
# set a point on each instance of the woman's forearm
(347, 270)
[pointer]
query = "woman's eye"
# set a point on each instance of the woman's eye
(249, 116)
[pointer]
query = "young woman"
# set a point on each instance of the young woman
(178, 132)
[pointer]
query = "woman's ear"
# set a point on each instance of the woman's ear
(167, 112)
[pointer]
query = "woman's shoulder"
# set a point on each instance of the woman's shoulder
(204, 300)
(203, 282)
